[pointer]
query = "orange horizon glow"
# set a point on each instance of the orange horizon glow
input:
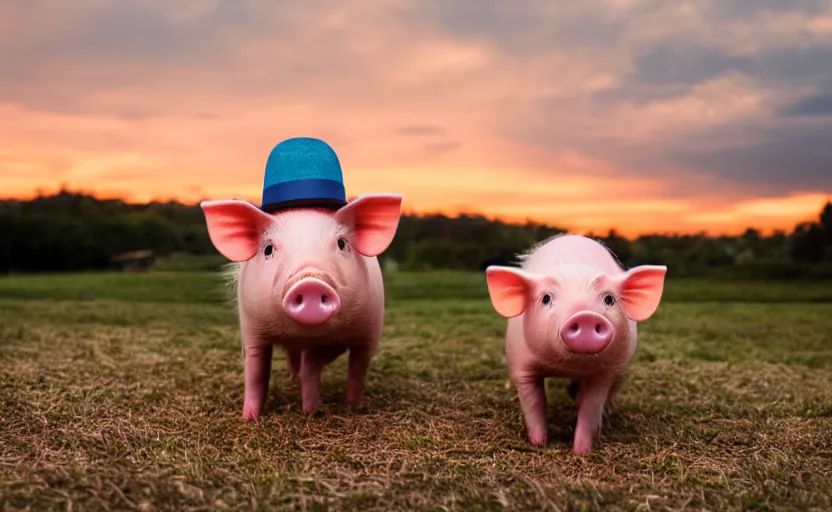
(771, 215)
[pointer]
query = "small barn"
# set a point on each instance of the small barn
(133, 261)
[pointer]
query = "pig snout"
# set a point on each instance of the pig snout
(311, 301)
(586, 333)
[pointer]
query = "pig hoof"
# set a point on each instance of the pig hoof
(353, 399)
(251, 413)
(582, 447)
(250, 417)
(537, 438)
(582, 450)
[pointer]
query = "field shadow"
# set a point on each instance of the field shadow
(284, 395)
(621, 424)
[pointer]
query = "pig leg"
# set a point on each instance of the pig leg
(532, 394)
(592, 396)
(311, 366)
(258, 367)
(359, 364)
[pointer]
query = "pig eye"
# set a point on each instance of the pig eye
(547, 299)
(342, 244)
(609, 300)
(268, 250)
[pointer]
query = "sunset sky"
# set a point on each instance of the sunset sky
(640, 115)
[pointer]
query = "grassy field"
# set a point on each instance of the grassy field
(122, 391)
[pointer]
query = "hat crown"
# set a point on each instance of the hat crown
(302, 171)
(302, 158)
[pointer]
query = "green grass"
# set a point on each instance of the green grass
(124, 391)
(202, 287)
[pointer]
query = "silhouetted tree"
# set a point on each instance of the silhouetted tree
(752, 241)
(619, 246)
(808, 243)
(826, 218)
(826, 227)
(70, 231)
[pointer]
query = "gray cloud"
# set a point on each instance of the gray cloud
(524, 28)
(686, 63)
(768, 156)
(815, 105)
(116, 45)
(754, 157)
(135, 31)
(781, 158)
(745, 9)
(140, 44)
(681, 63)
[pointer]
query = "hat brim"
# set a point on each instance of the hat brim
(331, 204)
(304, 193)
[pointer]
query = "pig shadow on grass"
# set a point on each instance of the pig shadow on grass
(561, 413)
(620, 424)
(284, 396)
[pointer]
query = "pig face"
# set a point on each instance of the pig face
(304, 269)
(576, 310)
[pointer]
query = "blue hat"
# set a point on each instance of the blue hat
(303, 172)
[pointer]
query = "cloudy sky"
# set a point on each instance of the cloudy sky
(644, 115)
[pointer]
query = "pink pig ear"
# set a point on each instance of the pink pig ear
(508, 288)
(235, 227)
(373, 218)
(641, 289)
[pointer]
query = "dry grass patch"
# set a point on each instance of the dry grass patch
(106, 404)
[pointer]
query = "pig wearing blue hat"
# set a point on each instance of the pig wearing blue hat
(307, 275)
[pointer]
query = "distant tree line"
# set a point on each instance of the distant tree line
(72, 231)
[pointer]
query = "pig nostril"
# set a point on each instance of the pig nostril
(574, 327)
(323, 299)
(299, 299)
(598, 328)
